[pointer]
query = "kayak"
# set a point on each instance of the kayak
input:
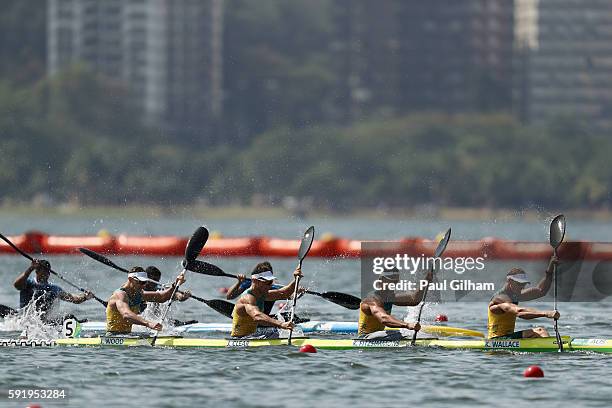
(307, 327)
(312, 326)
(547, 344)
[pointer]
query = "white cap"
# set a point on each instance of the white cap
(520, 278)
(141, 276)
(264, 276)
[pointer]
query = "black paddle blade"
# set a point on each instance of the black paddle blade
(5, 311)
(196, 243)
(222, 306)
(306, 243)
(206, 268)
(101, 259)
(557, 231)
(443, 243)
(343, 299)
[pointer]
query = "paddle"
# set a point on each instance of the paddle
(557, 232)
(5, 311)
(5, 239)
(223, 307)
(102, 259)
(192, 250)
(439, 250)
(342, 299)
(303, 251)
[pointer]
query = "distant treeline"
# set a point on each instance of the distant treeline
(75, 138)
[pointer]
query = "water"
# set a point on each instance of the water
(280, 376)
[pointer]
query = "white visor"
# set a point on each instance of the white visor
(141, 276)
(520, 278)
(264, 276)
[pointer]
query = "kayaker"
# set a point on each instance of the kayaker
(243, 284)
(375, 310)
(124, 305)
(41, 294)
(504, 305)
(249, 310)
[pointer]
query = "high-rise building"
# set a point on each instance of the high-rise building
(167, 52)
(565, 65)
(365, 57)
(456, 56)
(402, 56)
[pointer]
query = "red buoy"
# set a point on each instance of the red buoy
(308, 348)
(441, 318)
(533, 371)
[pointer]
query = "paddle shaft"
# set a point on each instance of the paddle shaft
(557, 335)
(414, 335)
(343, 302)
(5, 239)
(295, 298)
(167, 308)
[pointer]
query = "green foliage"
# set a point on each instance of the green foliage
(76, 136)
(73, 137)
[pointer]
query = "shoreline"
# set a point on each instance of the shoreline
(251, 212)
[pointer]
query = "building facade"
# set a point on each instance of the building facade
(403, 56)
(565, 64)
(167, 52)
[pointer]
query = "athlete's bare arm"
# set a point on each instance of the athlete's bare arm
(119, 300)
(373, 308)
(522, 312)
(245, 307)
(543, 286)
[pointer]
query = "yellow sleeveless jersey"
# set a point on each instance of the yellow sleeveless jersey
(500, 324)
(118, 324)
(369, 324)
(245, 325)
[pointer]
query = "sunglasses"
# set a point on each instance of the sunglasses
(267, 282)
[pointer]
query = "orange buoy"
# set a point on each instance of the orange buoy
(533, 371)
(308, 348)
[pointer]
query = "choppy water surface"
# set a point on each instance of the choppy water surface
(282, 377)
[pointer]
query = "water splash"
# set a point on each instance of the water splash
(31, 324)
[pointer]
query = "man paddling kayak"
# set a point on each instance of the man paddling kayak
(41, 294)
(375, 310)
(244, 283)
(249, 310)
(124, 305)
(504, 305)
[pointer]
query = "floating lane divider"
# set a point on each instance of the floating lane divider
(36, 242)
